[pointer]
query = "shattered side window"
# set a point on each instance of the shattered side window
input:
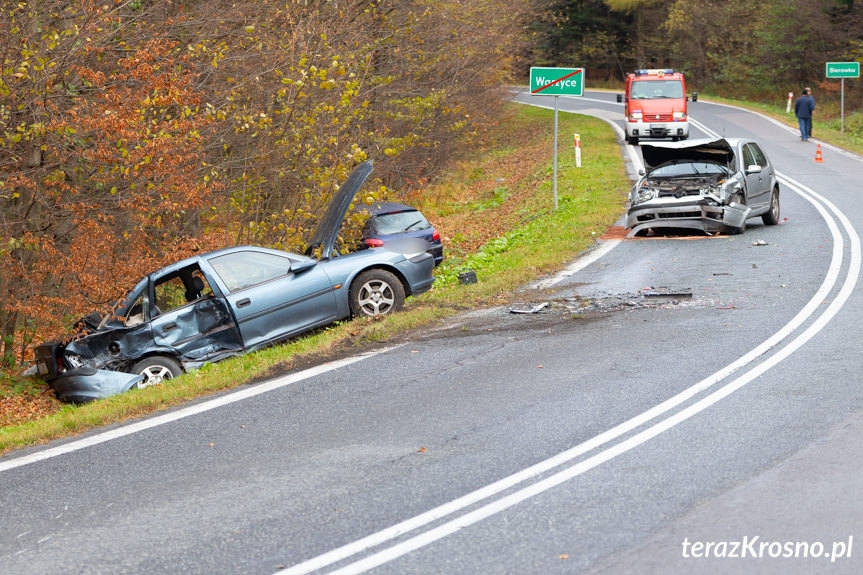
(200, 287)
(240, 270)
(136, 313)
(170, 294)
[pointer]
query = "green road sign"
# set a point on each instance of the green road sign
(557, 81)
(843, 69)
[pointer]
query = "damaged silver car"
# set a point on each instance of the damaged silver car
(709, 185)
(232, 301)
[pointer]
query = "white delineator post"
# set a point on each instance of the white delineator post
(788, 107)
(577, 151)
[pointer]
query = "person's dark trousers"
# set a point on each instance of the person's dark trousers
(805, 128)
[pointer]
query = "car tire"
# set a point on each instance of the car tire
(771, 218)
(376, 292)
(156, 369)
(632, 141)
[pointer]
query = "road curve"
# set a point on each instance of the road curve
(597, 436)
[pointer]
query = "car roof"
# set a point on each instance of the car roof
(380, 208)
(178, 265)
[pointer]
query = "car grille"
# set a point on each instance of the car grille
(678, 193)
(657, 117)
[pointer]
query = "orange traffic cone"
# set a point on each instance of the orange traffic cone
(818, 154)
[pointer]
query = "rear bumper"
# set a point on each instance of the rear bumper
(418, 272)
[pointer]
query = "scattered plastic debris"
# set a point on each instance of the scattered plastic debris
(468, 277)
(668, 294)
(534, 309)
(759, 243)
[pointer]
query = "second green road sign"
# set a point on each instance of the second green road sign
(843, 69)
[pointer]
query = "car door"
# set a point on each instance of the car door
(189, 317)
(758, 174)
(271, 297)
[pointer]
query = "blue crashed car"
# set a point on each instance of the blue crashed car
(231, 301)
(390, 221)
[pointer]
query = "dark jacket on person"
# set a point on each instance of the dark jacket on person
(804, 105)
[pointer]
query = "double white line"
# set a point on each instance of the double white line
(836, 222)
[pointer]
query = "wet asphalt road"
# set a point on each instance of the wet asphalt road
(503, 443)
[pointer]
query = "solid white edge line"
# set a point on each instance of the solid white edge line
(156, 421)
(605, 246)
(490, 490)
(642, 437)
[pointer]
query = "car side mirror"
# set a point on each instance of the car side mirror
(302, 266)
(619, 98)
(641, 171)
(753, 169)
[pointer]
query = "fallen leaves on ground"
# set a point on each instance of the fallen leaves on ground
(20, 407)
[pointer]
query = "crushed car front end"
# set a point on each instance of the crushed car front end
(692, 185)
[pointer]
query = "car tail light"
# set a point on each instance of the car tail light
(435, 236)
(374, 243)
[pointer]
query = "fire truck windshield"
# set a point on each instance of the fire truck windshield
(650, 89)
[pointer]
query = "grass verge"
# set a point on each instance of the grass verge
(495, 212)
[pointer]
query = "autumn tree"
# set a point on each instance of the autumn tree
(101, 132)
(134, 132)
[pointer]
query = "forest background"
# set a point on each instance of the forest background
(137, 132)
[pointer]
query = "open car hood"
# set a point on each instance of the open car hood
(329, 225)
(657, 153)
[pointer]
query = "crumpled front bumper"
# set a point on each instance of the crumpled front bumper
(86, 384)
(689, 213)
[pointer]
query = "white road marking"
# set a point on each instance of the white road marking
(457, 505)
(605, 246)
(185, 412)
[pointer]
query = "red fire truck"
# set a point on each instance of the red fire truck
(656, 105)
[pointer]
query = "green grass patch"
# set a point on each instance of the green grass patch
(534, 240)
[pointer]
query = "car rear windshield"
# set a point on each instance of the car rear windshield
(399, 222)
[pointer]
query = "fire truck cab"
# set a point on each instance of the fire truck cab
(655, 105)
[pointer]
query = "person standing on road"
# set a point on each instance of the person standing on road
(803, 108)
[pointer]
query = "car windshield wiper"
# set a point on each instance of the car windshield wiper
(413, 224)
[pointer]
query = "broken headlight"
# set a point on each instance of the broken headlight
(645, 194)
